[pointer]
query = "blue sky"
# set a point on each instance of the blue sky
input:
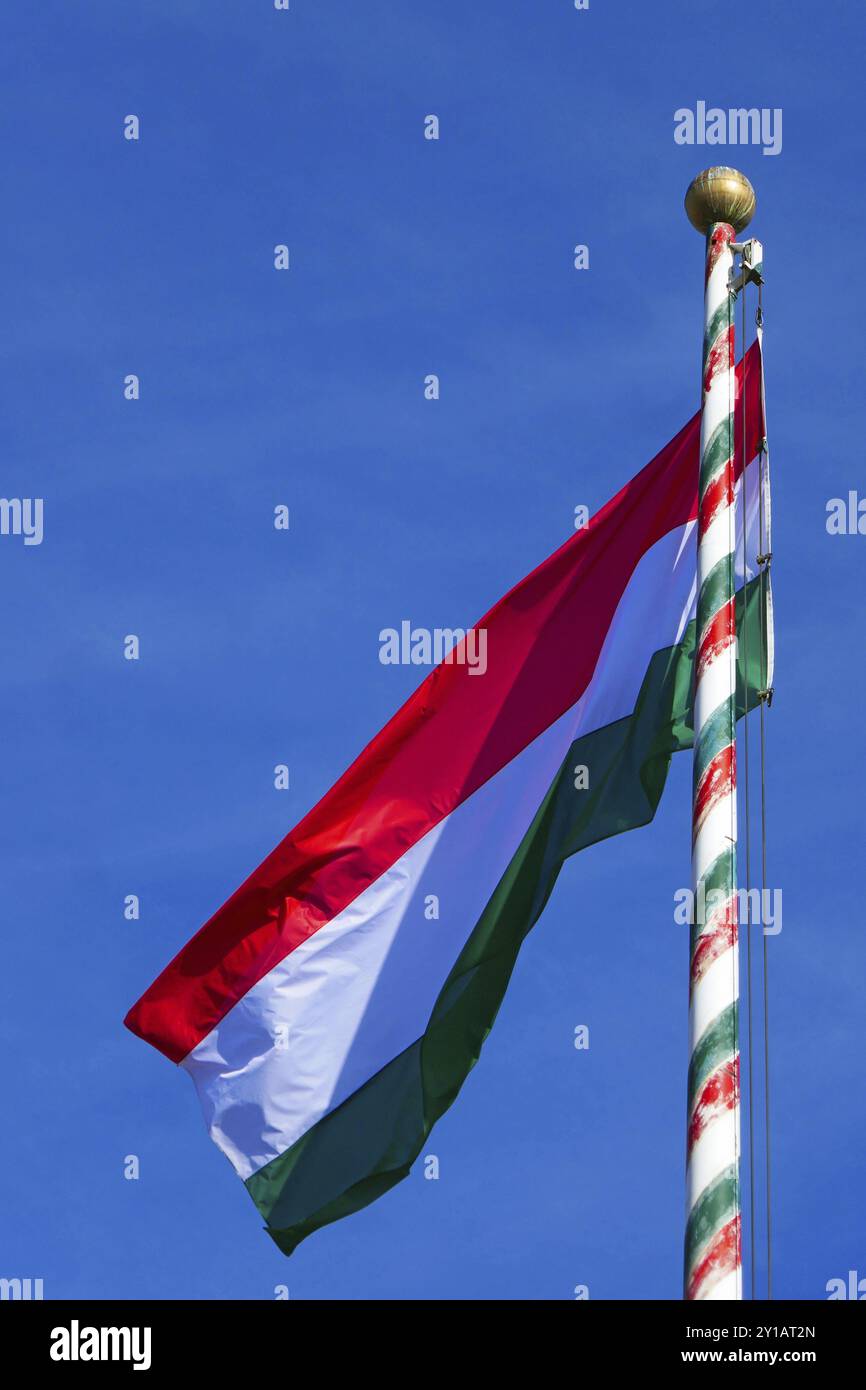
(408, 257)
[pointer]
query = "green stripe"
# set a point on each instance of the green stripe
(715, 734)
(719, 448)
(369, 1143)
(715, 590)
(719, 878)
(718, 324)
(718, 1043)
(714, 1208)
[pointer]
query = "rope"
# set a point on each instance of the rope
(764, 698)
(765, 558)
(748, 836)
(733, 919)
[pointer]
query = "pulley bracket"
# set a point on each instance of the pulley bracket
(751, 255)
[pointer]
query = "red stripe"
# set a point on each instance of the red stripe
(717, 636)
(720, 357)
(721, 1092)
(451, 736)
(722, 1256)
(722, 234)
(718, 494)
(718, 780)
(712, 943)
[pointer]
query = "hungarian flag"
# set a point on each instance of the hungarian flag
(325, 1020)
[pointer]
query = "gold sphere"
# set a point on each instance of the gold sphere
(720, 195)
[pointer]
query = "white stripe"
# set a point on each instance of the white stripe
(729, 1287)
(361, 989)
(717, 1147)
(712, 994)
(714, 686)
(717, 830)
(717, 283)
(718, 405)
(717, 540)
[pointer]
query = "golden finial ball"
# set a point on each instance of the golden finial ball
(720, 195)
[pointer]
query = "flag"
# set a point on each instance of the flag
(328, 1014)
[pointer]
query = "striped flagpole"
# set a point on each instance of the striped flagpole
(713, 1262)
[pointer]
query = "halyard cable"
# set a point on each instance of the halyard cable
(748, 857)
(733, 914)
(765, 558)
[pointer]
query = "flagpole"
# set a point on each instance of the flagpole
(719, 203)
